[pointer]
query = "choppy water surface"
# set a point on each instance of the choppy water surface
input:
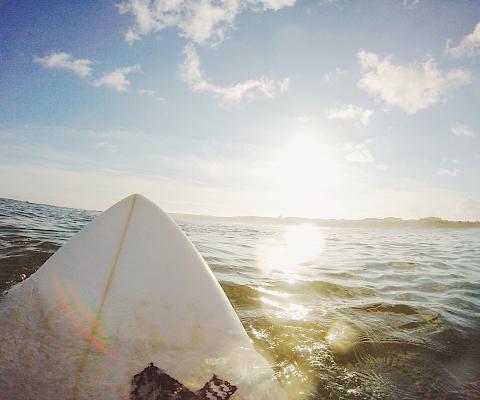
(340, 313)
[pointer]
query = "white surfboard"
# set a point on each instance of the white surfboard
(127, 309)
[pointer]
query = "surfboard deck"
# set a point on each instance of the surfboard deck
(127, 309)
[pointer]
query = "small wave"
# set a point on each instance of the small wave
(327, 289)
(388, 308)
(241, 296)
(403, 304)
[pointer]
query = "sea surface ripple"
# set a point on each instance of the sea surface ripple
(340, 313)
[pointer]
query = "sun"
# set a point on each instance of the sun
(306, 173)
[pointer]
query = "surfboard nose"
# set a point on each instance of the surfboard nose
(136, 200)
(128, 290)
(134, 255)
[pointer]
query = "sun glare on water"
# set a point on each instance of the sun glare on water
(295, 246)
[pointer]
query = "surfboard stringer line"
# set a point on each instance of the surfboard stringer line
(83, 361)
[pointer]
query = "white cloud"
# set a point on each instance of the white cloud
(65, 61)
(462, 131)
(358, 152)
(448, 172)
(150, 93)
(202, 21)
(191, 73)
(105, 146)
(117, 79)
(146, 92)
(351, 112)
(412, 87)
(469, 46)
(335, 75)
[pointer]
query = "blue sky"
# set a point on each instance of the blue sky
(334, 109)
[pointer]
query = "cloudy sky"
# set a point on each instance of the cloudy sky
(338, 109)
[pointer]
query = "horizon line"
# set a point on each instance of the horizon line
(427, 219)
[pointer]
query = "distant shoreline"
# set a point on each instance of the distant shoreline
(388, 222)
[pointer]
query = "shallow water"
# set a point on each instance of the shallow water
(340, 313)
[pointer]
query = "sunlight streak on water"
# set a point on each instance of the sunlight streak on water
(297, 245)
(287, 310)
(354, 314)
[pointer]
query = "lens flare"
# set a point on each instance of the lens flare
(81, 315)
(341, 337)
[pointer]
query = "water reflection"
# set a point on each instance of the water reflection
(295, 246)
(341, 337)
(296, 312)
(411, 298)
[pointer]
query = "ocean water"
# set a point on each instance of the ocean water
(340, 313)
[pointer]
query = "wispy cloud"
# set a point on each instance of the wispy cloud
(357, 114)
(462, 131)
(221, 178)
(335, 75)
(150, 93)
(469, 46)
(358, 152)
(106, 146)
(191, 74)
(117, 79)
(412, 87)
(203, 22)
(65, 61)
(146, 92)
(410, 4)
(448, 172)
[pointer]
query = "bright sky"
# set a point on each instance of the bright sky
(333, 109)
